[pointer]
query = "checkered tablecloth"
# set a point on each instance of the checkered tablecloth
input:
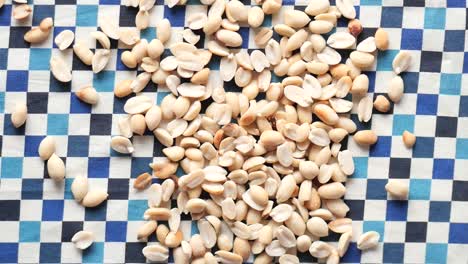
(38, 216)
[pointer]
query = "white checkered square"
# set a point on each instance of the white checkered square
(455, 18)
(79, 124)
(33, 168)
(370, 11)
(13, 146)
(5, 39)
(70, 254)
(444, 147)
(460, 170)
(14, 63)
(9, 231)
(433, 40)
(117, 210)
(421, 168)
(28, 252)
(31, 210)
(413, 17)
(452, 62)
(420, 248)
(120, 167)
(356, 189)
(59, 103)
(51, 231)
(39, 81)
(395, 231)
(399, 150)
(380, 124)
(99, 146)
(424, 125)
(10, 189)
(418, 211)
(76, 166)
(458, 212)
(73, 211)
(52, 190)
(448, 105)
(98, 228)
(65, 15)
(437, 232)
(373, 256)
(456, 253)
(441, 190)
(114, 252)
(378, 168)
(375, 210)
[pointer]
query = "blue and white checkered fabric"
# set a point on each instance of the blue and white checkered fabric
(39, 217)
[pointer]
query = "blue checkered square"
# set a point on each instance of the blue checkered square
(68, 194)
(410, 80)
(439, 211)
(397, 210)
(17, 81)
(402, 123)
(86, 15)
(57, 124)
(31, 189)
(8, 251)
(96, 213)
(50, 253)
(377, 226)
(30, 231)
(371, 2)
(450, 83)
(78, 146)
(104, 81)
(39, 59)
(360, 165)
(434, 18)
(98, 167)
(175, 15)
(462, 148)
(353, 255)
(411, 39)
(136, 208)
(12, 167)
(94, 254)
(381, 148)
(5, 17)
(77, 106)
(52, 210)
(111, 235)
(376, 189)
(385, 59)
(456, 3)
(458, 233)
(436, 253)
(2, 102)
(391, 17)
(463, 112)
(450, 44)
(41, 12)
(31, 146)
(420, 189)
(427, 104)
(394, 253)
(424, 148)
(3, 59)
(443, 169)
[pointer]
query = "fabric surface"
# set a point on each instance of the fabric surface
(39, 217)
